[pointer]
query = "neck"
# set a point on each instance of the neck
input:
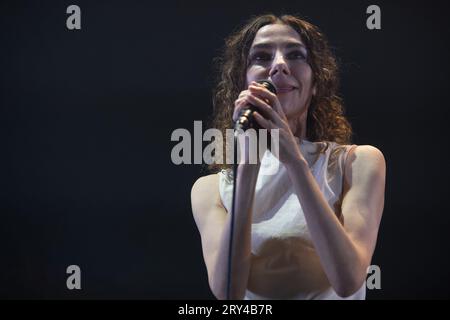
(297, 125)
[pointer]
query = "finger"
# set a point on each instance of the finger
(267, 94)
(265, 109)
(272, 98)
(263, 122)
(243, 93)
(239, 104)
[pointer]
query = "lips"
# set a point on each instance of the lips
(284, 89)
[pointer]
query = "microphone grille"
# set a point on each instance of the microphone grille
(268, 84)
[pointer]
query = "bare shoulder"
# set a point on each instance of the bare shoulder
(204, 187)
(365, 160)
(205, 198)
(368, 156)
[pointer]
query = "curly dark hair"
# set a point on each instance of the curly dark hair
(325, 117)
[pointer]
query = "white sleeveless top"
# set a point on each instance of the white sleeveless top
(284, 255)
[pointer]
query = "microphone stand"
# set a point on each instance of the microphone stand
(233, 206)
(243, 123)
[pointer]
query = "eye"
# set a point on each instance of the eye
(297, 55)
(260, 56)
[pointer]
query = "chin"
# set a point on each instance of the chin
(294, 112)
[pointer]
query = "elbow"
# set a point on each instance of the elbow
(219, 295)
(218, 282)
(352, 278)
(219, 291)
(222, 294)
(349, 287)
(345, 292)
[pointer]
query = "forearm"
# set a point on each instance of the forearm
(241, 244)
(341, 259)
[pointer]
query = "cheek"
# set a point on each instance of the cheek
(256, 73)
(248, 80)
(306, 84)
(307, 76)
(304, 74)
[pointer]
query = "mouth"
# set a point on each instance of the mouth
(285, 89)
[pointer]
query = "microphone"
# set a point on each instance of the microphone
(245, 119)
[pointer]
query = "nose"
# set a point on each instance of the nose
(279, 65)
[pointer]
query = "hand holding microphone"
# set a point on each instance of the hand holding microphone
(260, 108)
(244, 119)
(244, 109)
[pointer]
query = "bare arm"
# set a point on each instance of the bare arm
(214, 224)
(345, 250)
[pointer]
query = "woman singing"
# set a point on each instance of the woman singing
(309, 230)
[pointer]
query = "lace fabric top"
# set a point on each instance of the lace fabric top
(279, 226)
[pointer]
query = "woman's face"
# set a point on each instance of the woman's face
(278, 54)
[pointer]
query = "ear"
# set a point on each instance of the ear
(314, 90)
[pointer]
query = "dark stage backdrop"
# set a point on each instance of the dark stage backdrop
(86, 118)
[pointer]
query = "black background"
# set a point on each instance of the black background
(86, 117)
